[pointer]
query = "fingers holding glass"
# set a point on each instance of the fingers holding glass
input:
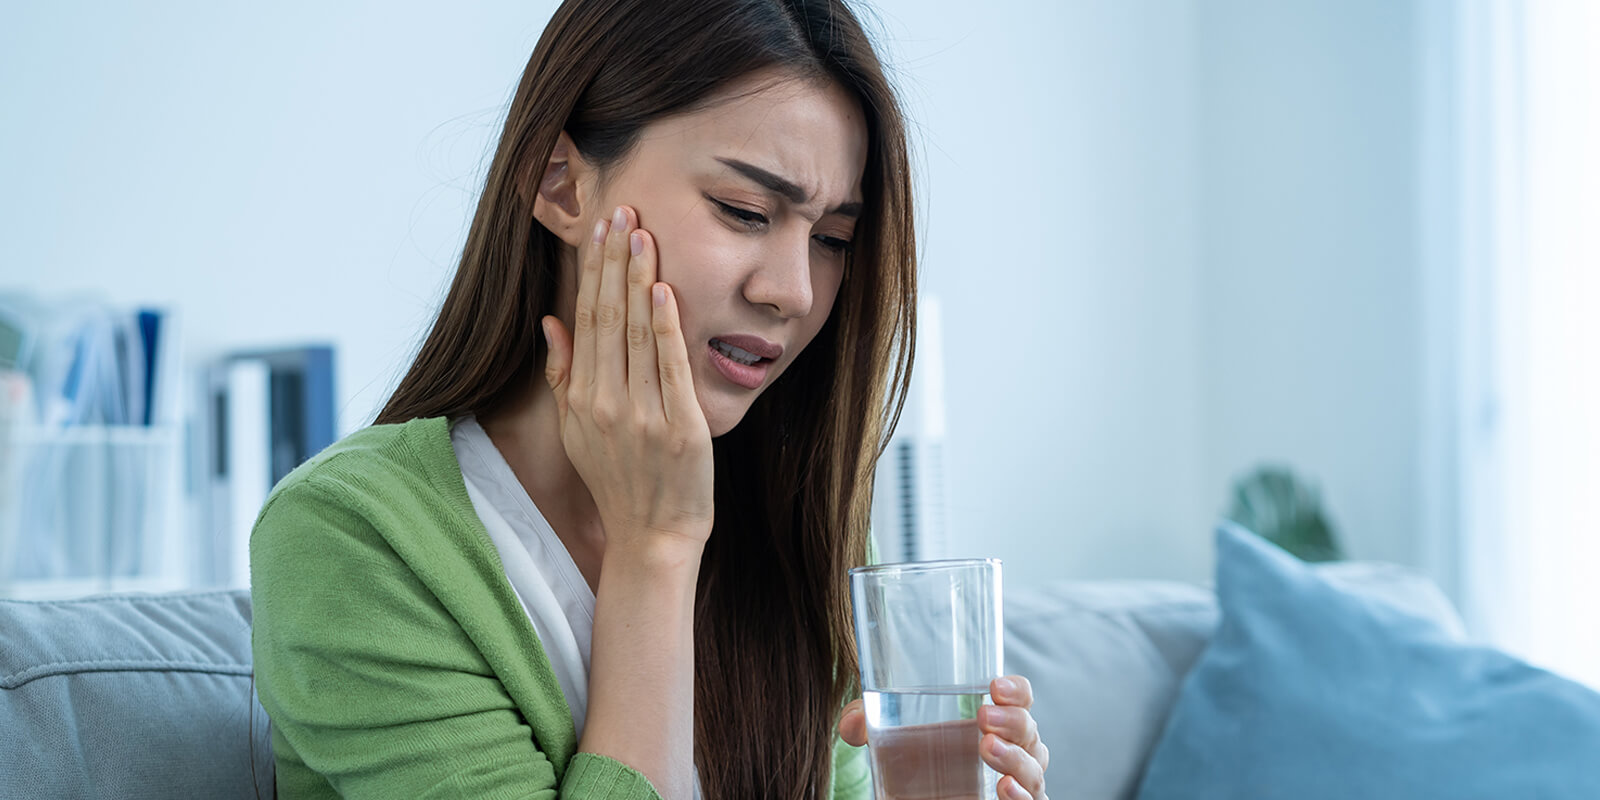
(853, 724)
(1012, 690)
(1011, 743)
(1023, 775)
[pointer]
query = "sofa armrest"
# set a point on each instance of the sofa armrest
(131, 696)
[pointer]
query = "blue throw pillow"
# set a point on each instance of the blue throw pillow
(1308, 692)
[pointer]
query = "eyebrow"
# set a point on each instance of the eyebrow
(784, 187)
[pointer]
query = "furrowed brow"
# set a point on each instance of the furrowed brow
(785, 188)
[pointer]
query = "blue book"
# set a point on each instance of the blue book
(150, 336)
(301, 404)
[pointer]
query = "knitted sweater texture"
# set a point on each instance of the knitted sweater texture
(391, 654)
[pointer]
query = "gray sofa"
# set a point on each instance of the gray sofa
(150, 696)
(130, 696)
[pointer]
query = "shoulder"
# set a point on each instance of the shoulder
(384, 480)
(380, 451)
(387, 504)
(382, 464)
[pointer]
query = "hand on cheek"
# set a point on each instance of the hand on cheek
(630, 420)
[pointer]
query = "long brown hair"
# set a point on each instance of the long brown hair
(774, 654)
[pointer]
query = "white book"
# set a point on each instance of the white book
(249, 462)
(209, 475)
(130, 357)
(167, 401)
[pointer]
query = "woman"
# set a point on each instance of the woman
(704, 207)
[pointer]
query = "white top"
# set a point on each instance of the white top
(558, 600)
(546, 580)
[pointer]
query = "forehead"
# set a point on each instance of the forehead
(810, 132)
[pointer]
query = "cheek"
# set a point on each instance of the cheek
(825, 296)
(828, 284)
(700, 267)
(685, 253)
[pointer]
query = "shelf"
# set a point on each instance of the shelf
(91, 509)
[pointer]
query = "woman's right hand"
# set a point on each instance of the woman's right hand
(630, 421)
(634, 431)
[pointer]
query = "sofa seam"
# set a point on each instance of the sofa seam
(22, 678)
(127, 598)
(1117, 612)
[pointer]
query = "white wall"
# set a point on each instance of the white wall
(1217, 203)
(1059, 150)
(1172, 237)
(277, 173)
(1310, 248)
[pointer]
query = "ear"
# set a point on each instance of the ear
(564, 192)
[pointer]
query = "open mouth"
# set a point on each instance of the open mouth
(737, 354)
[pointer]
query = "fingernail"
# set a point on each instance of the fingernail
(620, 218)
(599, 231)
(1000, 747)
(1005, 685)
(658, 294)
(636, 242)
(1016, 792)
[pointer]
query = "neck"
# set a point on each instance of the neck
(527, 432)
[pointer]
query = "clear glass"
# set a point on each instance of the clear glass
(930, 642)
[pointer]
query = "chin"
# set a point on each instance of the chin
(722, 424)
(722, 414)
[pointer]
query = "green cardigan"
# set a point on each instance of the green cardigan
(391, 654)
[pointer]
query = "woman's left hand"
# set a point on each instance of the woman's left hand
(1010, 737)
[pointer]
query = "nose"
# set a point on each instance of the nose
(782, 280)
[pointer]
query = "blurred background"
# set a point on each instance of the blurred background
(1326, 265)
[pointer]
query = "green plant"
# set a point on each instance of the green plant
(1282, 509)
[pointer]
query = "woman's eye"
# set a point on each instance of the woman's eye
(833, 243)
(746, 217)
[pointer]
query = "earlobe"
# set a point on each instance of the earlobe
(559, 204)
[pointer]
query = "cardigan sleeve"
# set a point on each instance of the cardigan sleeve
(852, 778)
(373, 689)
(852, 772)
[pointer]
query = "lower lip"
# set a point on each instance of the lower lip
(748, 376)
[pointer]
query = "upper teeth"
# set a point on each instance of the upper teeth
(737, 354)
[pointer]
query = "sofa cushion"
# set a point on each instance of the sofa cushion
(1107, 658)
(1104, 659)
(1310, 691)
(131, 696)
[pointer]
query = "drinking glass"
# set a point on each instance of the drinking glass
(929, 638)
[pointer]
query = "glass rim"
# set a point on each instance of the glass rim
(924, 566)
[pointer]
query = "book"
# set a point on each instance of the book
(150, 323)
(302, 405)
(91, 491)
(248, 468)
(267, 411)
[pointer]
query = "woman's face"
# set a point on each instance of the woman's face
(752, 203)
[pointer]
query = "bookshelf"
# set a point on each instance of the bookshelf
(93, 448)
(90, 509)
